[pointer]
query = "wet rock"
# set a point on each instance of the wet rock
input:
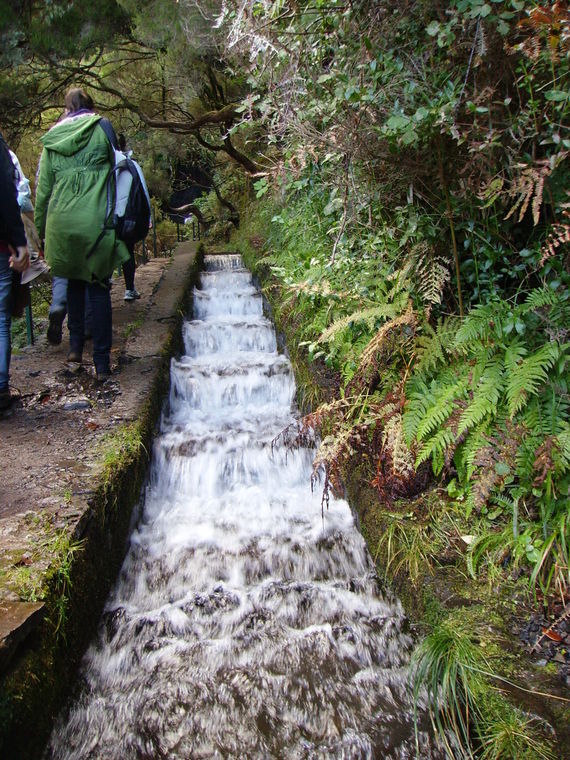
(71, 406)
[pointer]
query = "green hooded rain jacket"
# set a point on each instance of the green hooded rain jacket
(71, 200)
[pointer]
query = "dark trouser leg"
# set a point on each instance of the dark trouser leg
(5, 318)
(101, 326)
(129, 270)
(76, 315)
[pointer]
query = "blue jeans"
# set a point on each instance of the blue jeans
(59, 301)
(5, 318)
(58, 295)
(102, 325)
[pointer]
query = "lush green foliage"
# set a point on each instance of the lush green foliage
(418, 160)
(410, 167)
(450, 670)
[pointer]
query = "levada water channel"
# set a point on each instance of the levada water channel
(245, 623)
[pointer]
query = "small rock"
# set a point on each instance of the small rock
(80, 404)
(559, 657)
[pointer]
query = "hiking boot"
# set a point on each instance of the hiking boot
(102, 375)
(74, 357)
(54, 330)
(132, 295)
(6, 399)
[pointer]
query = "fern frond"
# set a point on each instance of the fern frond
(369, 316)
(529, 184)
(486, 395)
(438, 412)
(514, 354)
(529, 375)
(397, 331)
(435, 346)
(393, 440)
(538, 299)
(404, 320)
(431, 273)
(482, 322)
(546, 414)
(435, 449)
(269, 260)
(418, 401)
(466, 454)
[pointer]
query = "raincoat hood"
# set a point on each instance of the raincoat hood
(71, 134)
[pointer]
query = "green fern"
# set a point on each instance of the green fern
(435, 347)
(486, 396)
(483, 323)
(546, 414)
(529, 375)
(538, 299)
(435, 449)
(564, 448)
(466, 453)
(418, 393)
(440, 410)
(368, 316)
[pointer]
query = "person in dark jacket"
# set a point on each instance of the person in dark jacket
(71, 214)
(14, 257)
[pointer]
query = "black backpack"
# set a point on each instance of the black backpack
(128, 201)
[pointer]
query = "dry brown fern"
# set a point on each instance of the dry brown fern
(546, 26)
(500, 449)
(381, 347)
(558, 238)
(544, 459)
(529, 184)
(396, 476)
(430, 272)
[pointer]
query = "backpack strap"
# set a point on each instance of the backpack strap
(107, 128)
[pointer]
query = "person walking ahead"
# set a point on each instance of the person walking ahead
(71, 211)
(14, 256)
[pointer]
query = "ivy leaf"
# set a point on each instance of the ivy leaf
(397, 122)
(502, 469)
(421, 113)
(556, 95)
(332, 206)
(410, 137)
(433, 28)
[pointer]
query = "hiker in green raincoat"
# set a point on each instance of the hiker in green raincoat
(71, 213)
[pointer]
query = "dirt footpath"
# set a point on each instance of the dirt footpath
(52, 437)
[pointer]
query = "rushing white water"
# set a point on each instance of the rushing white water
(244, 624)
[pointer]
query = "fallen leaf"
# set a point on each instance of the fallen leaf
(552, 635)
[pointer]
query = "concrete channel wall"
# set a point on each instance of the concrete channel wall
(80, 455)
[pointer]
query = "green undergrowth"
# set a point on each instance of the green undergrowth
(485, 697)
(43, 573)
(451, 669)
(428, 548)
(40, 299)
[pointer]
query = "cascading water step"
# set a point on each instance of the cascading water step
(207, 338)
(247, 380)
(247, 622)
